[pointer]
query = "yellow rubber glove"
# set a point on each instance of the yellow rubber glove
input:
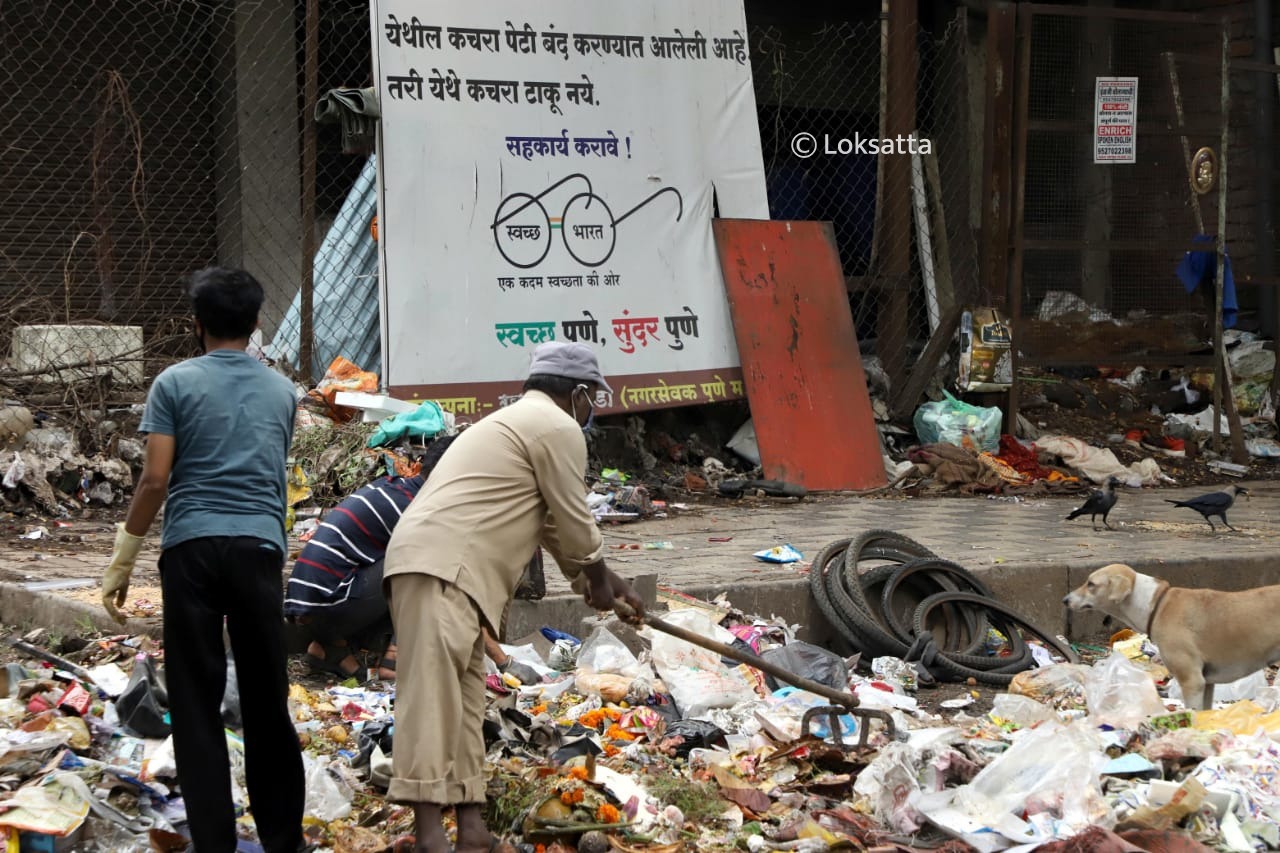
(115, 580)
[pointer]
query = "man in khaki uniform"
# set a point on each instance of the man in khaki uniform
(510, 482)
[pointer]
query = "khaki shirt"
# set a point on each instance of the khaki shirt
(510, 482)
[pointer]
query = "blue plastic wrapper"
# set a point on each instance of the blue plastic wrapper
(552, 635)
(779, 554)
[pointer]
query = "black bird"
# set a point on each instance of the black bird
(1214, 503)
(1100, 502)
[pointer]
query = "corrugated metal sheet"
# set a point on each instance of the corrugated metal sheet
(345, 301)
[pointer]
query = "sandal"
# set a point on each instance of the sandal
(331, 663)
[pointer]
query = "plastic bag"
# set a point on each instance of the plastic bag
(231, 696)
(1020, 710)
(1120, 694)
(809, 661)
(141, 705)
(1060, 685)
(694, 676)
(1051, 768)
(1243, 718)
(1248, 687)
(602, 652)
(15, 472)
(783, 718)
(953, 421)
(426, 421)
(693, 734)
(342, 375)
(327, 798)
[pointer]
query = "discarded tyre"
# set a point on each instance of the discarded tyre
(917, 606)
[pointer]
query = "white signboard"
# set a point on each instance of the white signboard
(549, 171)
(1115, 123)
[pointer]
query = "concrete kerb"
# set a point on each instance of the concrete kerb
(29, 609)
(1035, 590)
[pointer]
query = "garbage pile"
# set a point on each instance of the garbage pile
(1165, 416)
(43, 464)
(636, 740)
(1051, 464)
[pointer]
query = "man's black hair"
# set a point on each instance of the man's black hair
(226, 302)
(433, 453)
(556, 386)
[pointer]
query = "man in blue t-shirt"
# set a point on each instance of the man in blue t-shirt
(335, 588)
(218, 431)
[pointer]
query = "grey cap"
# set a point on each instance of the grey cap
(570, 360)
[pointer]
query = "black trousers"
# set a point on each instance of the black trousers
(240, 579)
(363, 618)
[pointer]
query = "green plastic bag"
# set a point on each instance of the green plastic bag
(953, 421)
(426, 421)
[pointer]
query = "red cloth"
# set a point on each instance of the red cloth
(1021, 459)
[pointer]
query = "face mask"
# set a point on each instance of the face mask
(591, 414)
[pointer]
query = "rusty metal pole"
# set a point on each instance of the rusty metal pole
(1016, 220)
(310, 93)
(895, 250)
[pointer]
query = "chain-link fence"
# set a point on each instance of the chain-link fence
(144, 139)
(905, 221)
(1101, 241)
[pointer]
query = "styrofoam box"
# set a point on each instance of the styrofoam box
(46, 347)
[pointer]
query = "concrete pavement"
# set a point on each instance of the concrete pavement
(1025, 551)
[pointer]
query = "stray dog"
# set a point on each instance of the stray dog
(1205, 636)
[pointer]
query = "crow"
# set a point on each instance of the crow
(1100, 502)
(1214, 503)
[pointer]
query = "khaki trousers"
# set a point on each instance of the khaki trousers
(438, 754)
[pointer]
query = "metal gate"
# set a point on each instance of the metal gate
(1095, 247)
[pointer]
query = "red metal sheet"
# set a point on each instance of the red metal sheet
(799, 353)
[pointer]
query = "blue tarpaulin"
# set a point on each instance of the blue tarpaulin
(345, 296)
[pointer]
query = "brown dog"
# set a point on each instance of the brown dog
(1205, 636)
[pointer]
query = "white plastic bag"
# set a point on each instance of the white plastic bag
(1249, 687)
(1051, 768)
(17, 470)
(602, 652)
(1021, 710)
(327, 798)
(1120, 694)
(695, 677)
